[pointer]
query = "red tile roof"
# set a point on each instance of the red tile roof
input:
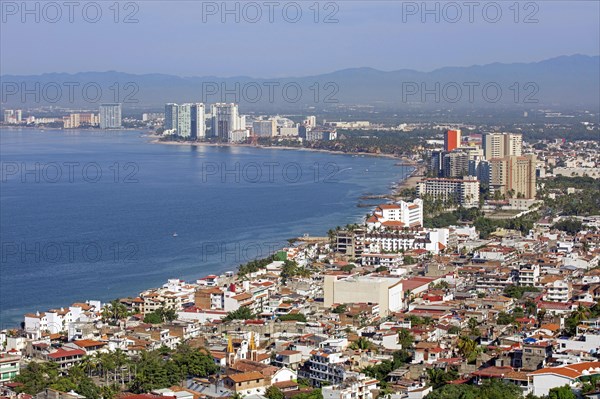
(60, 353)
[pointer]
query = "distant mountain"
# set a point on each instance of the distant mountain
(561, 82)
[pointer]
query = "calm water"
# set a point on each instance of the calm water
(98, 215)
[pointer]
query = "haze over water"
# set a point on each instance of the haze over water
(69, 234)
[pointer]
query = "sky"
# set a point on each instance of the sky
(287, 38)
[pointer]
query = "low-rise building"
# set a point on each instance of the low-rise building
(9, 367)
(355, 386)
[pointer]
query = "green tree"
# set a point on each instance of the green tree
(194, 362)
(347, 268)
(293, 317)
(516, 292)
(161, 315)
(472, 323)
(571, 226)
(454, 330)
(242, 313)
(114, 311)
(152, 318)
(154, 371)
(361, 343)
(563, 392)
(409, 260)
(36, 377)
(504, 318)
(467, 348)
(405, 338)
(439, 377)
(578, 315)
(273, 392)
(491, 389)
(339, 309)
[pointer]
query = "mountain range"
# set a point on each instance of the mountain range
(562, 82)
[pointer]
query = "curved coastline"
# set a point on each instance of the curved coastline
(229, 267)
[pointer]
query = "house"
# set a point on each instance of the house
(288, 358)
(65, 358)
(541, 381)
(427, 352)
(9, 367)
(90, 346)
(245, 384)
(355, 386)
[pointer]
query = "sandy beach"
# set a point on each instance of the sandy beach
(266, 147)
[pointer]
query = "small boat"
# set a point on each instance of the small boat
(175, 234)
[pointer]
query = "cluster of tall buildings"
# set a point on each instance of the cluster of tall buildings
(497, 161)
(185, 120)
(188, 121)
(192, 121)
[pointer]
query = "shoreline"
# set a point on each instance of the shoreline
(391, 194)
(156, 140)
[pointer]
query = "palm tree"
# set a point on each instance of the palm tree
(541, 314)
(581, 313)
(473, 326)
(466, 347)
(405, 338)
(114, 311)
(438, 377)
(88, 364)
(331, 234)
(361, 344)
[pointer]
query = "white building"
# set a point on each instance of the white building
(13, 116)
(543, 380)
(324, 368)
(288, 131)
(410, 214)
(431, 240)
(384, 291)
(310, 121)
(110, 116)
(464, 192)
(558, 291)
(355, 386)
(185, 120)
(585, 342)
(225, 120)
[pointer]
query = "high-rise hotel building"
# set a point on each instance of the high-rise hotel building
(186, 120)
(198, 121)
(225, 120)
(265, 128)
(500, 145)
(452, 139)
(514, 176)
(110, 116)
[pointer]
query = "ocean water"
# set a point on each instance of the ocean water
(100, 215)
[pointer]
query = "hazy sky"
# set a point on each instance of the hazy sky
(189, 38)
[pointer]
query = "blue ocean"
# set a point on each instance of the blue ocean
(104, 214)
